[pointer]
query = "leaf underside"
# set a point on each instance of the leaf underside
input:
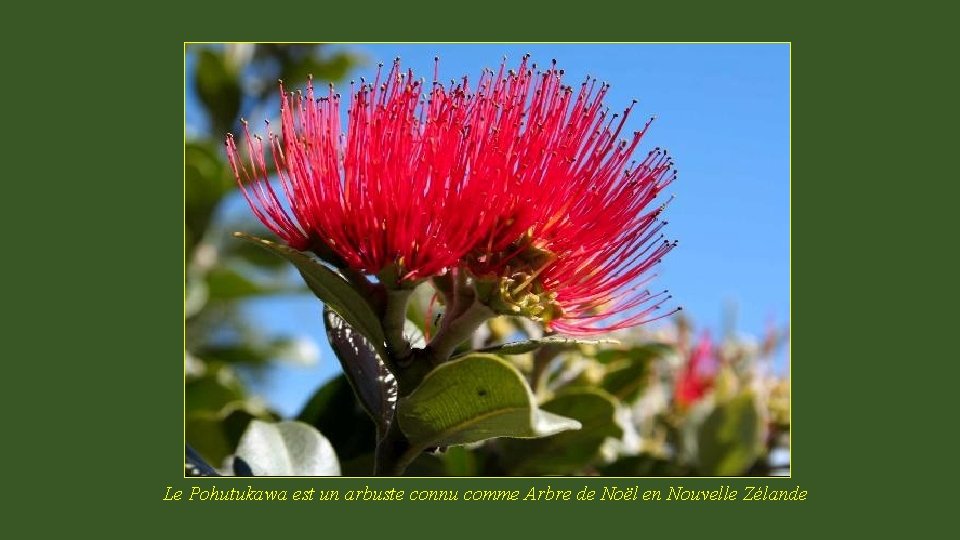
(372, 381)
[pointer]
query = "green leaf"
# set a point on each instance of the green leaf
(213, 393)
(372, 381)
(287, 449)
(218, 87)
(251, 351)
(472, 399)
(333, 290)
(206, 181)
(521, 347)
(459, 461)
(215, 436)
(335, 410)
(569, 452)
(627, 380)
(730, 438)
(644, 465)
(628, 370)
(225, 283)
(639, 353)
(252, 254)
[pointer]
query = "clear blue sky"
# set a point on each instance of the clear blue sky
(723, 113)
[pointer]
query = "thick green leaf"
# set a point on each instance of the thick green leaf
(521, 347)
(287, 449)
(730, 438)
(571, 451)
(475, 398)
(332, 289)
(374, 384)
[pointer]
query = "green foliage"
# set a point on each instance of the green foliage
(218, 86)
(514, 402)
(730, 439)
(213, 394)
(207, 181)
(521, 347)
(637, 354)
(332, 289)
(628, 371)
(252, 353)
(570, 450)
(472, 399)
(335, 411)
(371, 380)
(286, 449)
(215, 436)
(223, 273)
(230, 283)
(644, 465)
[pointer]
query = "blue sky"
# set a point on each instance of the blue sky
(723, 113)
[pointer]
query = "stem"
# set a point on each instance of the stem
(406, 459)
(390, 457)
(373, 292)
(394, 319)
(456, 331)
(541, 361)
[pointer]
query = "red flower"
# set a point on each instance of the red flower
(572, 197)
(398, 188)
(521, 179)
(696, 377)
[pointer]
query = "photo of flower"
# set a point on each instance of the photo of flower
(475, 241)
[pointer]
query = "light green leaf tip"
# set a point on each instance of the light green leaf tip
(567, 452)
(287, 449)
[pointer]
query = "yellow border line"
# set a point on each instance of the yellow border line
(789, 226)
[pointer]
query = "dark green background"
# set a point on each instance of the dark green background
(93, 213)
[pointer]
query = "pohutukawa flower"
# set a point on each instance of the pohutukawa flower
(578, 228)
(696, 377)
(522, 179)
(400, 187)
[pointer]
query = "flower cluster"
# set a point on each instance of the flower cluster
(698, 374)
(521, 179)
